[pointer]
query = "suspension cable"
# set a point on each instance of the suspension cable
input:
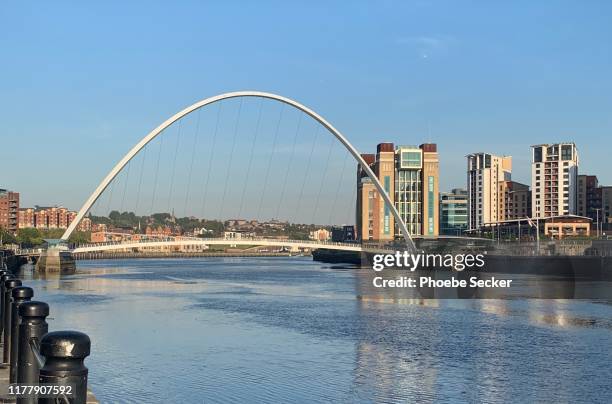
(193, 151)
(142, 166)
(299, 201)
(333, 208)
(231, 158)
(246, 181)
(263, 193)
(316, 208)
(178, 141)
(210, 161)
(110, 197)
(127, 180)
(161, 145)
(282, 195)
(353, 206)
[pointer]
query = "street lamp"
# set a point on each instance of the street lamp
(597, 210)
(537, 226)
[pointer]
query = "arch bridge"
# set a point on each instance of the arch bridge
(286, 243)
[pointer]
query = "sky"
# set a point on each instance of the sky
(82, 82)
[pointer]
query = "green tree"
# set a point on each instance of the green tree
(80, 237)
(7, 238)
(29, 237)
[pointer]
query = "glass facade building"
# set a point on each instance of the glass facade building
(408, 187)
(453, 212)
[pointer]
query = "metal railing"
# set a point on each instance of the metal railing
(252, 240)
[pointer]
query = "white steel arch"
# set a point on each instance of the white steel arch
(126, 159)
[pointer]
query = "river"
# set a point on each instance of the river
(292, 330)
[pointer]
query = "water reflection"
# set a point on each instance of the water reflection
(291, 330)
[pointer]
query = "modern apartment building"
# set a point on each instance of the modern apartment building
(9, 210)
(26, 218)
(484, 172)
(515, 200)
(589, 197)
(554, 180)
(53, 217)
(453, 212)
(409, 174)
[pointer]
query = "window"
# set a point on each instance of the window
(410, 159)
(537, 155)
(566, 152)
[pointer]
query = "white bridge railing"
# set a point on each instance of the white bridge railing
(262, 241)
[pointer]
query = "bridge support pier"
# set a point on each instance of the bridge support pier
(56, 260)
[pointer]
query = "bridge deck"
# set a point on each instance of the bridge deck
(295, 244)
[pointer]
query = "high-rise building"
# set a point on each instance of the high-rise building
(589, 196)
(484, 172)
(515, 200)
(9, 210)
(554, 180)
(453, 212)
(409, 174)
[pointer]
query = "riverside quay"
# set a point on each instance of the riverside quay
(38, 366)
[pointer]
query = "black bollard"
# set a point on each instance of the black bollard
(31, 330)
(3, 278)
(2, 273)
(20, 294)
(65, 352)
(9, 284)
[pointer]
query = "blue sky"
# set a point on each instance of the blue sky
(82, 82)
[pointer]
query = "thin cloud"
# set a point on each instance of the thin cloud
(426, 46)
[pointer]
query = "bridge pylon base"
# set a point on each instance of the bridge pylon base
(55, 260)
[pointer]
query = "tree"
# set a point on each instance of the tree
(80, 237)
(29, 237)
(7, 238)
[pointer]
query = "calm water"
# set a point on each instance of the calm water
(292, 330)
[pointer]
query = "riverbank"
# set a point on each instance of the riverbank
(128, 255)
